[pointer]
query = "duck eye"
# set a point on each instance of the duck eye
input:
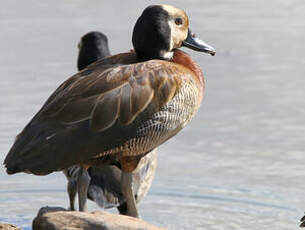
(178, 21)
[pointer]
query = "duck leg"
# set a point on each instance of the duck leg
(83, 180)
(128, 194)
(129, 164)
(72, 189)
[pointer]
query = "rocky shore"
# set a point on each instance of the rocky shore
(57, 218)
(4, 226)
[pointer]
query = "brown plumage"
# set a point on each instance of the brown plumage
(114, 95)
(119, 108)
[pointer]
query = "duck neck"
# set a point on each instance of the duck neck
(184, 59)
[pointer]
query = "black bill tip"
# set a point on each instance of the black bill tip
(195, 43)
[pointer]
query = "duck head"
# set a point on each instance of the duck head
(160, 30)
(92, 47)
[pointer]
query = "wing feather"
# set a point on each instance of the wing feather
(119, 93)
(141, 96)
(126, 106)
(106, 111)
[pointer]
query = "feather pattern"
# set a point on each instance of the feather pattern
(117, 105)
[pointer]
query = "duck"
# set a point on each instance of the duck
(119, 108)
(92, 47)
(105, 187)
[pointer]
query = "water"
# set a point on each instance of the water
(238, 165)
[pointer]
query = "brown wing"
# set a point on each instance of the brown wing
(91, 71)
(68, 128)
(119, 93)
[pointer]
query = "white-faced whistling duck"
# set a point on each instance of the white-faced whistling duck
(119, 108)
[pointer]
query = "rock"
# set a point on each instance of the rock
(57, 218)
(8, 227)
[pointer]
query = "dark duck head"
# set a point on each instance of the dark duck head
(160, 30)
(92, 47)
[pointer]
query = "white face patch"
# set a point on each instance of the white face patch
(171, 9)
(178, 33)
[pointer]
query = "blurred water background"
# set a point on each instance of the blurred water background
(238, 165)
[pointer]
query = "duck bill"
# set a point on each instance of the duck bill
(195, 43)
